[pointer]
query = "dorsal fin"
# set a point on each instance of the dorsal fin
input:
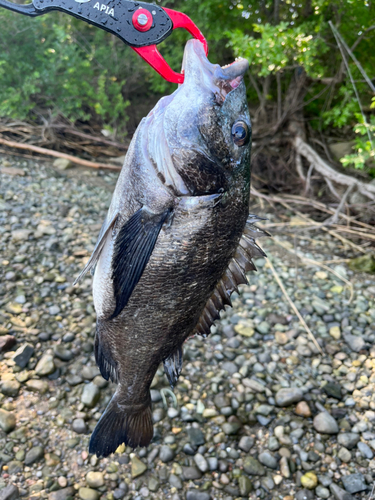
(234, 275)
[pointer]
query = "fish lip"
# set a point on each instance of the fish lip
(198, 68)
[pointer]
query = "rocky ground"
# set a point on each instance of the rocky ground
(261, 413)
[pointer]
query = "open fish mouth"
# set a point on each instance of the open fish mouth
(199, 70)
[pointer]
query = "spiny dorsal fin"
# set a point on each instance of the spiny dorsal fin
(234, 275)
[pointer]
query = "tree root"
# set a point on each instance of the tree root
(329, 173)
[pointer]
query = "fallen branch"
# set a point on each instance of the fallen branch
(56, 154)
(294, 307)
(90, 137)
(318, 225)
(330, 173)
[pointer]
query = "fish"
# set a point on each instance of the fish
(176, 242)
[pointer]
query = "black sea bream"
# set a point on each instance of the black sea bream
(176, 242)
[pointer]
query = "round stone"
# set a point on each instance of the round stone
(138, 467)
(10, 387)
(34, 455)
(166, 454)
(45, 365)
(90, 395)
(88, 494)
(309, 480)
(322, 492)
(266, 458)
(79, 426)
(201, 462)
(325, 423)
(253, 467)
(245, 443)
(7, 420)
(303, 409)
(344, 455)
(289, 396)
(94, 479)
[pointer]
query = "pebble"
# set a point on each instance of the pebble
(365, 450)
(284, 467)
(88, 494)
(35, 454)
(303, 409)
(23, 354)
(212, 463)
(166, 454)
(344, 454)
(45, 365)
(10, 492)
(201, 462)
(62, 494)
(7, 420)
(348, 439)
(266, 458)
(253, 467)
(90, 395)
(333, 389)
(355, 342)
(138, 467)
(322, 492)
(94, 479)
(246, 443)
(191, 473)
(303, 495)
(7, 342)
(175, 482)
(62, 353)
(79, 426)
(325, 423)
(245, 486)
(289, 396)
(339, 493)
(196, 436)
(153, 484)
(40, 386)
(197, 495)
(10, 387)
(353, 483)
(309, 480)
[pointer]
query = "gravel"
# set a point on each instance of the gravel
(261, 414)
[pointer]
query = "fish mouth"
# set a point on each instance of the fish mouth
(199, 70)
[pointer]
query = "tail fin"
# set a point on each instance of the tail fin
(121, 424)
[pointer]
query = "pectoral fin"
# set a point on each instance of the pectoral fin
(104, 232)
(133, 248)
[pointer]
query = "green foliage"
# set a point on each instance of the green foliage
(56, 64)
(49, 64)
(343, 112)
(278, 47)
(364, 156)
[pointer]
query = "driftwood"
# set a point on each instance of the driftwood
(56, 154)
(329, 173)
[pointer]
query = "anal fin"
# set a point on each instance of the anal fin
(173, 366)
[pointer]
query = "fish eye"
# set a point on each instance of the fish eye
(240, 133)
